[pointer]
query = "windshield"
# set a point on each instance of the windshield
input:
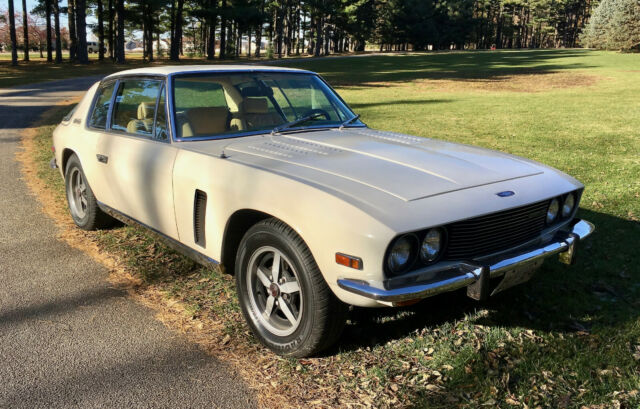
(220, 105)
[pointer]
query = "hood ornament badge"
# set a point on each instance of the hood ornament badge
(506, 193)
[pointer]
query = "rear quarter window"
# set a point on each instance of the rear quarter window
(102, 102)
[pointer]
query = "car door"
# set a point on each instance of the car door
(137, 157)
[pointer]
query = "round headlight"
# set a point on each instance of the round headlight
(431, 245)
(552, 211)
(569, 203)
(402, 253)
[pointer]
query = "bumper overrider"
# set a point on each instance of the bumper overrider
(516, 267)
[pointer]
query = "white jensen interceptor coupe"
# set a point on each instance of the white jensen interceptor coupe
(267, 171)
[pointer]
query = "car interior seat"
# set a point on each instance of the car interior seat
(144, 123)
(204, 121)
(256, 115)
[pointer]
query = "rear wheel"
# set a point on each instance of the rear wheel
(283, 295)
(83, 205)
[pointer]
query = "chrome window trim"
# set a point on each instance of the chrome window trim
(170, 102)
(133, 78)
(261, 132)
(94, 100)
(117, 79)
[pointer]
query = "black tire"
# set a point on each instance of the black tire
(322, 315)
(88, 216)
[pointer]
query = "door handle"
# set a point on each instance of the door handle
(102, 158)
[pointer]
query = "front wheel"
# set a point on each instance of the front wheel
(283, 295)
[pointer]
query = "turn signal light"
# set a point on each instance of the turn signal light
(349, 261)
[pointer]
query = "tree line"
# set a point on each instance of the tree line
(219, 28)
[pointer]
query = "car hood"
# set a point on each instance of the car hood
(404, 166)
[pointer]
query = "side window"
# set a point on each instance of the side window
(161, 118)
(101, 108)
(135, 106)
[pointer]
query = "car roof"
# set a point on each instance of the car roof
(178, 69)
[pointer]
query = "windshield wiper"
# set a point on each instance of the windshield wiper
(294, 123)
(348, 121)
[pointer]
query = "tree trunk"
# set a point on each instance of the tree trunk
(73, 46)
(258, 40)
(223, 29)
(287, 30)
(211, 43)
(47, 7)
(149, 38)
(172, 20)
(56, 20)
(318, 36)
(25, 29)
(100, 32)
(12, 34)
(239, 42)
(299, 32)
(176, 40)
(119, 37)
(110, 25)
(81, 28)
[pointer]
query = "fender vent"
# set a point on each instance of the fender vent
(199, 213)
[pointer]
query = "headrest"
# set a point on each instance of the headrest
(254, 105)
(145, 111)
(208, 120)
(256, 92)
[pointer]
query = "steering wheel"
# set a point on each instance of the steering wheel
(319, 112)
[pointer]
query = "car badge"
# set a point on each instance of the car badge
(506, 193)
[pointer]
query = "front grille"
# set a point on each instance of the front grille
(492, 233)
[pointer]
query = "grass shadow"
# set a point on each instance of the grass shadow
(461, 66)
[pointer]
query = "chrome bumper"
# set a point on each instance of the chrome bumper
(469, 274)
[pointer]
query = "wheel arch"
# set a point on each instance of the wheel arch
(66, 154)
(236, 227)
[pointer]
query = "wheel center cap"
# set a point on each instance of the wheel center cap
(274, 290)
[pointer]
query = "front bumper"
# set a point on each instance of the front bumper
(472, 274)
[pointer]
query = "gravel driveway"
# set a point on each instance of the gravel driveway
(67, 339)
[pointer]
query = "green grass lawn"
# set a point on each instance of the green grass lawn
(568, 338)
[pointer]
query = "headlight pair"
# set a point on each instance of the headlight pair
(561, 207)
(405, 249)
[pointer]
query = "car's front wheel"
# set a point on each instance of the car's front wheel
(83, 205)
(283, 295)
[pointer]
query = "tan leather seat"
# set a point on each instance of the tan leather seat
(255, 113)
(144, 123)
(204, 121)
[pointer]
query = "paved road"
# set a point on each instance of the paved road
(67, 339)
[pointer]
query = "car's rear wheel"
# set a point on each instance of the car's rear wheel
(283, 295)
(83, 205)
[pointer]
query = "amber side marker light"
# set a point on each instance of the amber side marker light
(349, 261)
